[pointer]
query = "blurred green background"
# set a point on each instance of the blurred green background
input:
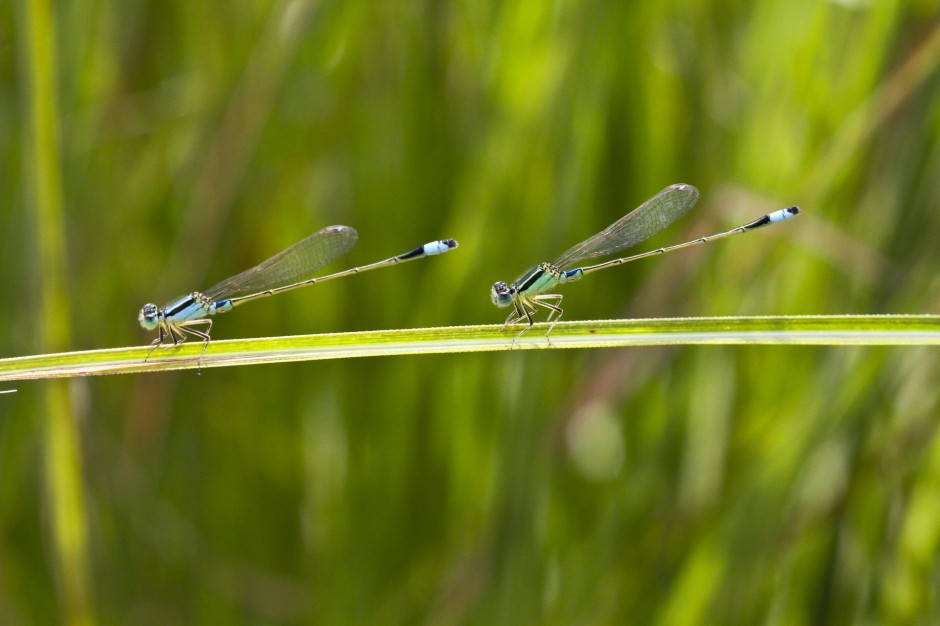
(786, 485)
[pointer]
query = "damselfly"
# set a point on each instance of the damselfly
(530, 291)
(282, 272)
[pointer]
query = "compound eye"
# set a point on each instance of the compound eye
(500, 294)
(148, 316)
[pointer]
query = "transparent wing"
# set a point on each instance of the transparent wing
(291, 265)
(638, 225)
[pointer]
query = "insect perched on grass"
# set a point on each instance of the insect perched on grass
(532, 290)
(282, 272)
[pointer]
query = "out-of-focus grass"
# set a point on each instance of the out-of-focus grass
(672, 485)
(63, 494)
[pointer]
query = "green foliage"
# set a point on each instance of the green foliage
(807, 330)
(671, 484)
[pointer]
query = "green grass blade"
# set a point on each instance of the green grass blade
(838, 330)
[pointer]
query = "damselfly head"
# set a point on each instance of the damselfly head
(501, 294)
(149, 316)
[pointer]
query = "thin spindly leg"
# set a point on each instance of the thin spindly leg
(517, 315)
(176, 335)
(553, 309)
(513, 317)
(178, 332)
(156, 343)
(528, 309)
(163, 333)
(202, 334)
